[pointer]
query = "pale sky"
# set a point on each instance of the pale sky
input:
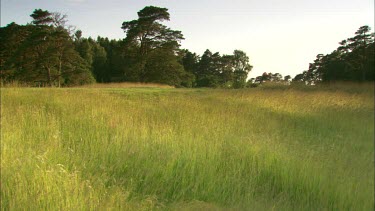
(281, 36)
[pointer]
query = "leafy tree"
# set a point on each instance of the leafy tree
(99, 65)
(41, 17)
(226, 71)
(353, 60)
(299, 77)
(190, 61)
(78, 35)
(144, 37)
(49, 52)
(149, 33)
(263, 78)
(270, 77)
(45, 54)
(170, 71)
(119, 61)
(287, 78)
(94, 54)
(11, 38)
(276, 77)
(241, 68)
(85, 49)
(361, 54)
(203, 72)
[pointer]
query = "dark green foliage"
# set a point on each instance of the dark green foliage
(95, 56)
(263, 78)
(353, 60)
(190, 61)
(42, 54)
(148, 42)
(213, 70)
(117, 66)
(150, 49)
(41, 17)
(148, 33)
(207, 74)
(47, 53)
(226, 73)
(241, 68)
(152, 14)
(11, 38)
(170, 71)
(275, 78)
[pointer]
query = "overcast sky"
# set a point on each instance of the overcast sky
(278, 35)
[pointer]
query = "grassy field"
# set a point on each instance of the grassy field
(270, 148)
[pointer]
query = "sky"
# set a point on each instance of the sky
(279, 36)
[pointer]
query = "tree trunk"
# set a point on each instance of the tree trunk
(49, 77)
(59, 72)
(363, 74)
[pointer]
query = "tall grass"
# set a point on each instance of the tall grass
(173, 149)
(126, 85)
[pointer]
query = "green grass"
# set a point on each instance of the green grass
(268, 148)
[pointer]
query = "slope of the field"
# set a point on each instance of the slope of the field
(193, 149)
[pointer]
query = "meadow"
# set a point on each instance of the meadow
(265, 148)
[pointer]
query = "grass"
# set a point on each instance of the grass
(126, 85)
(266, 148)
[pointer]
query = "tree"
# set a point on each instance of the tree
(120, 61)
(45, 54)
(353, 60)
(11, 38)
(49, 57)
(41, 17)
(287, 78)
(263, 78)
(78, 35)
(149, 33)
(226, 71)
(94, 54)
(241, 68)
(298, 77)
(360, 51)
(48, 52)
(203, 73)
(170, 71)
(190, 61)
(146, 35)
(276, 77)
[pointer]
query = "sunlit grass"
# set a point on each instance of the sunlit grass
(154, 148)
(126, 85)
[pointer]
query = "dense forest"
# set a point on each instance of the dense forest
(48, 52)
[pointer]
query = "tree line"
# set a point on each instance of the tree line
(353, 60)
(48, 52)
(42, 52)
